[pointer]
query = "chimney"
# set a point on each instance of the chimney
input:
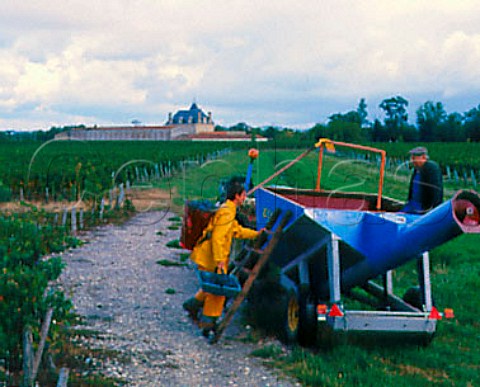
(209, 117)
(169, 118)
(199, 117)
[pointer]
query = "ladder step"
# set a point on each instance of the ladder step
(253, 250)
(262, 260)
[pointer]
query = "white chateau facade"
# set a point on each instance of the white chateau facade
(183, 124)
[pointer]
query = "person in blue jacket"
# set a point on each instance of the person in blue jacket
(426, 185)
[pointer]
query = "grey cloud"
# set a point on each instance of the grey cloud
(284, 62)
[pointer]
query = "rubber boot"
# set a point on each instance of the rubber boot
(208, 325)
(193, 306)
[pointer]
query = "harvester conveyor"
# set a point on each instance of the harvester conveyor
(337, 245)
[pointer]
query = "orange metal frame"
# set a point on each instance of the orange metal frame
(353, 146)
(321, 145)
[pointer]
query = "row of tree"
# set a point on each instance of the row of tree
(37, 135)
(433, 123)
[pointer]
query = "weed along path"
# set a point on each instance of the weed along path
(132, 307)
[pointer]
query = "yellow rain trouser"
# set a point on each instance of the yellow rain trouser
(212, 304)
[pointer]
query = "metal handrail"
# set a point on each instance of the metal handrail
(324, 142)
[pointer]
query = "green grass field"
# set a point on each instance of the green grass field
(453, 358)
(446, 153)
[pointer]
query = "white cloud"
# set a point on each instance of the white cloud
(261, 62)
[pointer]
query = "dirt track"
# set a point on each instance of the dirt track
(117, 285)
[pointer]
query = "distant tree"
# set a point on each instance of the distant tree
(395, 109)
(452, 129)
(255, 131)
(472, 124)
(362, 112)
(240, 127)
(351, 116)
(271, 132)
(379, 132)
(430, 118)
(410, 133)
(345, 127)
(219, 128)
(317, 132)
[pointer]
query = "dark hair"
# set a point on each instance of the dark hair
(234, 187)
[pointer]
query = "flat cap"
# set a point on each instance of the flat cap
(418, 151)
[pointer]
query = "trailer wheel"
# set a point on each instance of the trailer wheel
(307, 329)
(291, 318)
(427, 339)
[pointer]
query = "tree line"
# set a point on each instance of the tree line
(433, 124)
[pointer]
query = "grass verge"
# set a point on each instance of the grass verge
(453, 358)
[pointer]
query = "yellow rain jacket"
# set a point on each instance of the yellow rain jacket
(215, 243)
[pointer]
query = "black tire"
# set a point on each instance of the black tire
(307, 329)
(427, 339)
(290, 318)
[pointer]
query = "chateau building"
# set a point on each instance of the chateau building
(193, 120)
(184, 123)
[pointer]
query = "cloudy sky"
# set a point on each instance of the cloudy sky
(283, 62)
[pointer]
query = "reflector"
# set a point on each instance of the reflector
(321, 309)
(448, 313)
(335, 311)
(434, 315)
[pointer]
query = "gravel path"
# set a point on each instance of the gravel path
(117, 285)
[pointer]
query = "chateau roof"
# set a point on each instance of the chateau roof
(194, 115)
(107, 128)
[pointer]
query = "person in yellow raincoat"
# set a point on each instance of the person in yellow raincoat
(211, 253)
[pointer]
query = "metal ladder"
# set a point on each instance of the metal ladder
(261, 257)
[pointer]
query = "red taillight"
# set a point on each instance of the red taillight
(448, 313)
(434, 315)
(321, 309)
(335, 311)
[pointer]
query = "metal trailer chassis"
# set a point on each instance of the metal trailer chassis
(398, 316)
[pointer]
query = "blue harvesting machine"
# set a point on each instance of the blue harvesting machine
(343, 246)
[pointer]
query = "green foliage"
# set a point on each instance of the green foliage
(24, 280)
(174, 244)
(472, 124)
(430, 119)
(72, 169)
(362, 112)
(452, 154)
(5, 193)
(128, 206)
(395, 110)
(268, 352)
(184, 257)
(168, 262)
